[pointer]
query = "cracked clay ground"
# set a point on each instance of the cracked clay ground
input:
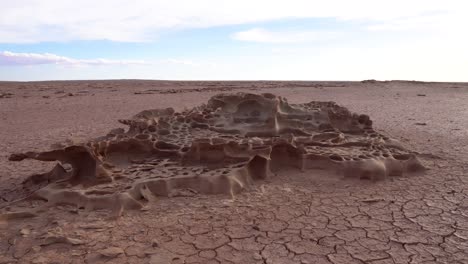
(297, 217)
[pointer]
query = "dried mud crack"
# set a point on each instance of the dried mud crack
(243, 179)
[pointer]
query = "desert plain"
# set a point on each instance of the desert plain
(293, 217)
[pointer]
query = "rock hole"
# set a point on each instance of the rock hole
(336, 157)
(365, 176)
(185, 149)
(163, 132)
(142, 136)
(402, 156)
(152, 128)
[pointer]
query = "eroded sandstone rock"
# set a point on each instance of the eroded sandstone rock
(221, 147)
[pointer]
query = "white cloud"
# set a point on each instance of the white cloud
(267, 36)
(439, 21)
(188, 62)
(8, 58)
(144, 20)
(13, 59)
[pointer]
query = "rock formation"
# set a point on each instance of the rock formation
(221, 147)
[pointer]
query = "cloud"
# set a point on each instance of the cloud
(15, 59)
(267, 36)
(26, 21)
(187, 62)
(8, 58)
(438, 21)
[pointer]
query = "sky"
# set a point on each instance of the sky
(234, 40)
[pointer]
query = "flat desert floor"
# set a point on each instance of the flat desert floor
(295, 217)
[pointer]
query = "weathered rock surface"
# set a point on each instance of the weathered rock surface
(221, 147)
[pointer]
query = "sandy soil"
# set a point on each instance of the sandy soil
(295, 218)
